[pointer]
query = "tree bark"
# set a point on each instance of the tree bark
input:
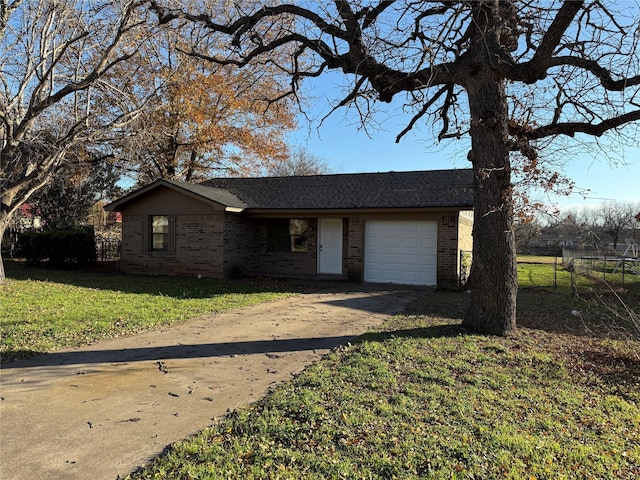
(493, 275)
(4, 224)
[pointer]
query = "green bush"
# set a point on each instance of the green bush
(60, 248)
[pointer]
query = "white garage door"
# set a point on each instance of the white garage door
(400, 252)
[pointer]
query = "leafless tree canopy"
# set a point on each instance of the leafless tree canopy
(572, 67)
(56, 92)
(300, 162)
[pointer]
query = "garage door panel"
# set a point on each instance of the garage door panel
(408, 260)
(391, 258)
(410, 242)
(401, 252)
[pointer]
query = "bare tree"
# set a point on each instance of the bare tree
(508, 73)
(299, 162)
(617, 219)
(57, 91)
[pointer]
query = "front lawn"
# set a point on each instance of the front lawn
(420, 398)
(45, 309)
(423, 398)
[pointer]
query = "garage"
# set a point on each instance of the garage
(403, 252)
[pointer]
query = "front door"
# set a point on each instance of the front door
(330, 245)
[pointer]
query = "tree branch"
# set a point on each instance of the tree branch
(556, 30)
(371, 13)
(571, 128)
(422, 112)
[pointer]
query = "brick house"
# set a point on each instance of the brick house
(396, 227)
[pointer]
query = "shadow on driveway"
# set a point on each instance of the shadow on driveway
(156, 353)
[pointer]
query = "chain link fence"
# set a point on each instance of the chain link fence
(539, 272)
(615, 270)
(568, 273)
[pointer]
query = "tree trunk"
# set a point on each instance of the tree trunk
(5, 218)
(493, 275)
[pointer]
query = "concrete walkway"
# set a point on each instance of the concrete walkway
(101, 411)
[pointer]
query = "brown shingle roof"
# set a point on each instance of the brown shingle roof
(432, 188)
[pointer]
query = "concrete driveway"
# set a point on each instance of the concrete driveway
(101, 411)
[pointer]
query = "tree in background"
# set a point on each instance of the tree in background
(206, 119)
(99, 76)
(299, 163)
(616, 219)
(67, 200)
(512, 75)
(599, 227)
(54, 94)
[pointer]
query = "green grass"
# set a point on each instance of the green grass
(539, 259)
(422, 398)
(45, 310)
(538, 272)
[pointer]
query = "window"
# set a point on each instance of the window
(298, 229)
(286, 235)
(159, 238)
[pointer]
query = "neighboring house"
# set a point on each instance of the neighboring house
(560, 240)
(28, 219)
(397, 227)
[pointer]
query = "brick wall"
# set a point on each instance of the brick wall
(241, 250)
(465, 230)
(288, 263)
(133, 233)
(448, 252)
(216, 244)
(196, 246)
(355, 249)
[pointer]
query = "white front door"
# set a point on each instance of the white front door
(330, 245)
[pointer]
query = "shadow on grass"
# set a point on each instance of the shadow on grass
(170, 286)
(550, 312)
(621, 372)
(590, 315)
(435, 331)
(11, 355)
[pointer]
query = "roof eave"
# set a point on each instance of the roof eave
(273, 212)
(113, 206)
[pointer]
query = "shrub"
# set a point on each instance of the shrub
(60, 248)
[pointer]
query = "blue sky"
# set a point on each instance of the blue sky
(342, 143)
